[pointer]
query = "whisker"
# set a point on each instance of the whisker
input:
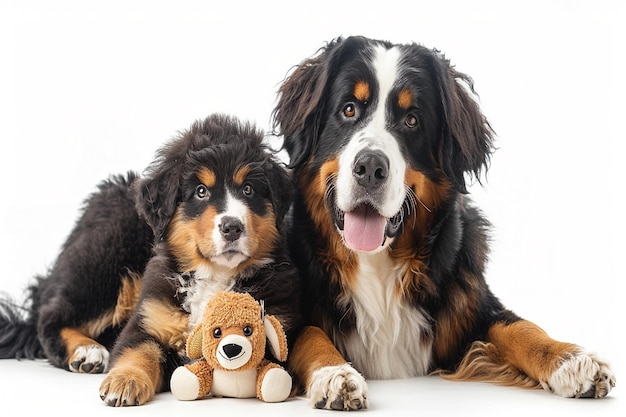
(414, 197)
(330, 186)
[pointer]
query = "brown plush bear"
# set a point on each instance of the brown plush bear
(229, 346)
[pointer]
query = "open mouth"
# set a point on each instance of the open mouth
(365, 229)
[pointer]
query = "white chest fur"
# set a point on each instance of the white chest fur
(390, 339)
(205, 284)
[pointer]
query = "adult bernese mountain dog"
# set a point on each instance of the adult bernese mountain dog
(148, 252)
(382, 140)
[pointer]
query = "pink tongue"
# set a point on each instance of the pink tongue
(364, 229)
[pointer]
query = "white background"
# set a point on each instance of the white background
(89, 89)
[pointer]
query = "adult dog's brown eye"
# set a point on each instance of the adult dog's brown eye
(349, 110)
(410, 121)
(247, 190)
(202, 191)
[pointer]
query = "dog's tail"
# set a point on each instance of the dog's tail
(18, 328)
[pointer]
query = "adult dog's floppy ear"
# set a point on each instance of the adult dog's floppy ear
(276, 337)
(300, 108)
(467, 141)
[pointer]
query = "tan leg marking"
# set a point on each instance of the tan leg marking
(85, 355)
(135, 377)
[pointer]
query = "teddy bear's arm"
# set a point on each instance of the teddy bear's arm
(191, 382)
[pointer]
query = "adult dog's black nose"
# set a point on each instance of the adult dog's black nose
(371, 169)
(231, 228)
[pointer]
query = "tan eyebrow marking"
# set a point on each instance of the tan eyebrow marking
(405, 99)
(362, 91)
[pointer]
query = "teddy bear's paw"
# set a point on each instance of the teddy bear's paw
(89, 359)
(184, 384)
(338, 388)
(581, 375)
(127, 386)
(276, 386)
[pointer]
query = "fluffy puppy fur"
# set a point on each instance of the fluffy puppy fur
(147, 253)
(382, 138)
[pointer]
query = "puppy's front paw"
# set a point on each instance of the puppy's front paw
(126, 387)
(338, 388)
(581, 375)
(91, 359)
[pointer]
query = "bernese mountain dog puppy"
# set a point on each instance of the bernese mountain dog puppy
(148, 252)
(382, 138)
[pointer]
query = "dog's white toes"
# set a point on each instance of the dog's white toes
(582, 375)
(338, 388)
(92, 359)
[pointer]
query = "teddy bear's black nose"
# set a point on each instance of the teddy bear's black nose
(231, 350)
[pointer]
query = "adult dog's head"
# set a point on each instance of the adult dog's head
(216, 195)
(380, 135)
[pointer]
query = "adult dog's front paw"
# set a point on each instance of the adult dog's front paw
(581, 375)
(338, 388)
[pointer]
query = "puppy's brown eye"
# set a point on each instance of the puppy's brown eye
(247, 190)
(349, 110)
(410, 121)
(247, 331)
(202, 191)
(217, 333)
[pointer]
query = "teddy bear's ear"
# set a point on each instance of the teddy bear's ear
(194, 343)
(276, 337)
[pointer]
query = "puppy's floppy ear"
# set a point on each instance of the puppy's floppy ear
(157, 194)
(281, 189)
(467, 141)
(300, 109)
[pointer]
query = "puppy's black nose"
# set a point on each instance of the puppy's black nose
(231, 228)
(371, 169)
(231, 350)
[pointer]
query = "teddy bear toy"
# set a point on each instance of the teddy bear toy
(228, 347)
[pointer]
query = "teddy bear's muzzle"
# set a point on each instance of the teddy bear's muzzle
(234, 351)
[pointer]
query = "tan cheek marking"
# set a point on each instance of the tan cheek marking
(203, 230)
(262, 233)
(207, 177)
(362, 91)
(187, 236)
(405, 99)
(334, 251)
(241, 174)
(330, 168)
(165, 322)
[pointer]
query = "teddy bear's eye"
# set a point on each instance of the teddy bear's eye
(217, 333)
(247, 331)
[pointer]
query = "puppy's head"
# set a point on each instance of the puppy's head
(216, 195)
(378, 134)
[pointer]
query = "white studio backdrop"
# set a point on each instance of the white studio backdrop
(90, 89)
